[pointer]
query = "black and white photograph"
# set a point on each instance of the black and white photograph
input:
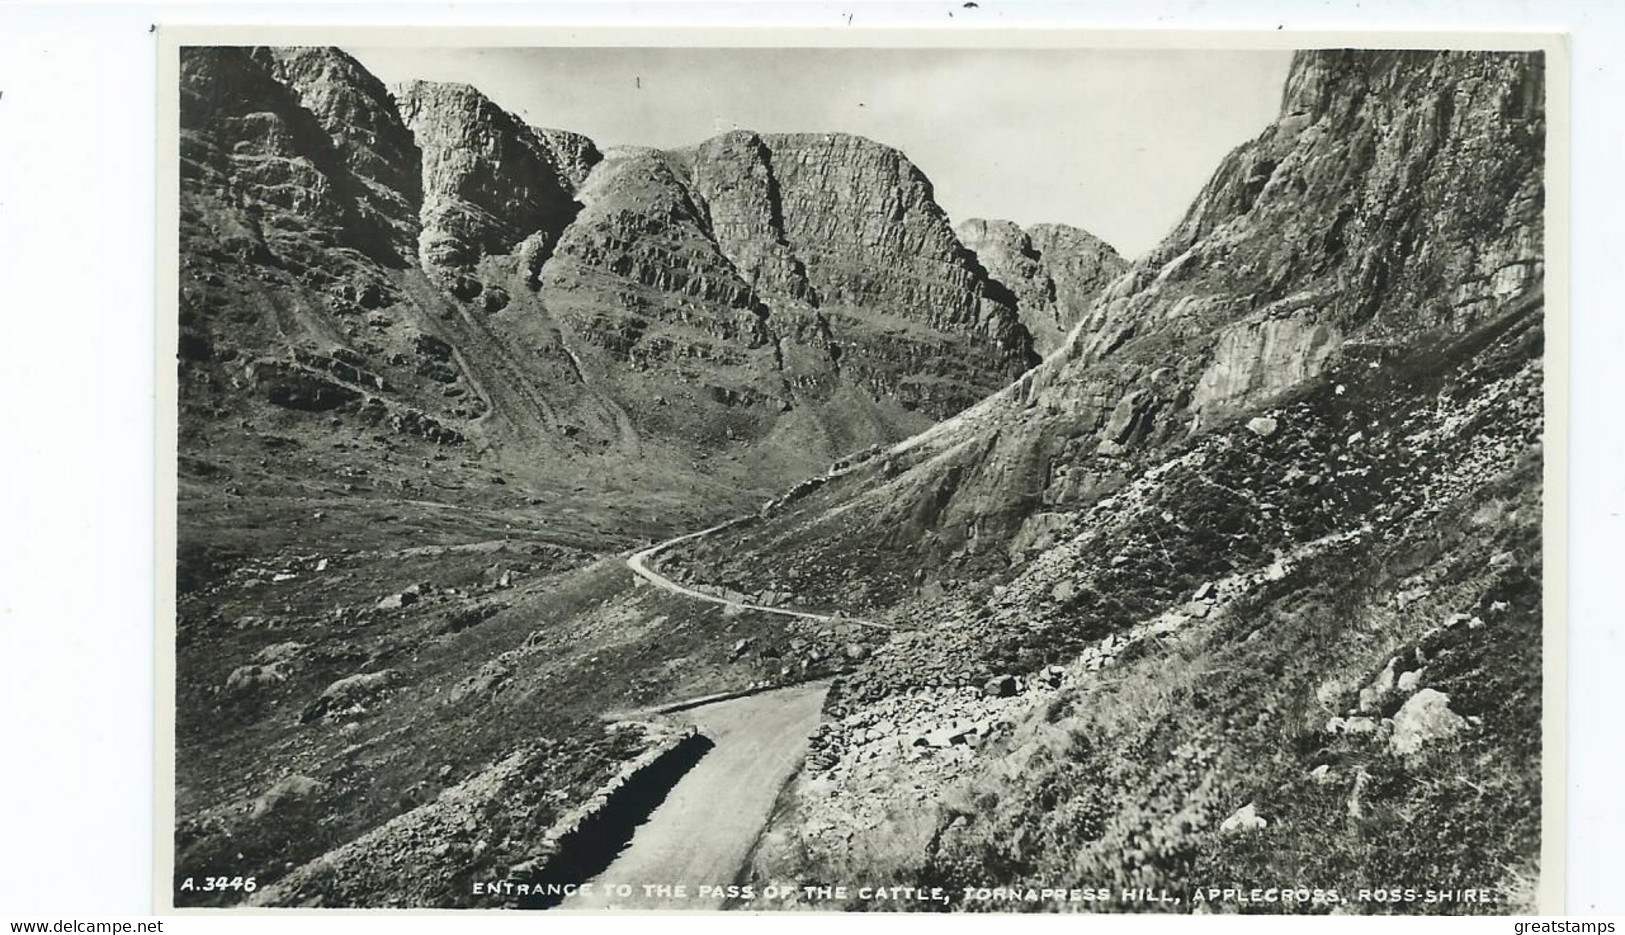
(1063, 472)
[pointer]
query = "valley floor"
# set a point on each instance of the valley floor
(381, 719)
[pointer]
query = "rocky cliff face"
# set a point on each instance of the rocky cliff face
(1193, 579)
(360, 119)
(863, 222)
(1396, 201)
(831, 242)
(1322, 228)
(489, 181)
(643, 227)
(733, 174)
(1054, 271)
(787, 298)
(1242, 582)
(301, 139)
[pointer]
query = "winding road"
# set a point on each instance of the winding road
(701, 834)
(638, 563)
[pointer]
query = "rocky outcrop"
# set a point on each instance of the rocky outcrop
(573, 154)
(248, 139)
(831, 243)
(1395, 204)
(642, 225)
(288, 793)
(1322, 229)
(797, 265)
(294, 387)
(1080, 263)
(733, 173)
(349, 696)
(489, 181)
(1423, 719)
(359, 116)
(802, 295)
(1054, 271)
(1010, 257)
(850, 223)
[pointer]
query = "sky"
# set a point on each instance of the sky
(1117, 142)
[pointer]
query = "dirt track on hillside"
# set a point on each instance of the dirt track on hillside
(638, 562)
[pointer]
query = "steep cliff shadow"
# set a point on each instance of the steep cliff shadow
(600, 838)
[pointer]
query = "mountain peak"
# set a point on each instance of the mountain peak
(486, 434)
(1054, 271)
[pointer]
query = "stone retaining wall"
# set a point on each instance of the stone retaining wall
(584, 842)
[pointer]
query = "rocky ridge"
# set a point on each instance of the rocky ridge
(1265, 467)
(1245, 577)
(489, 181)
(1250, 298)
(787, 298)
(1055, 272)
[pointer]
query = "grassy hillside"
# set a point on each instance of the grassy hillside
(1338, 625)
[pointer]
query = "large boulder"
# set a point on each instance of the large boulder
(349, 696)
(397, 601)
(294, 387)
(288, 793)
(1001, 686)
(284, 652)
(1424, 718)
(1243, 820)
(254, 678)
(491, 677)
